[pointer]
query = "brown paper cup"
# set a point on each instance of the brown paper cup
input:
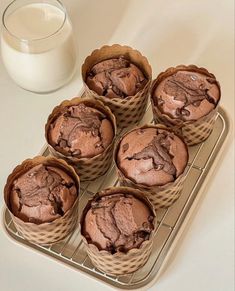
(120, 263)
(160, 196)
(194, 131)
(49, 232)
(130, 110)
(87, 168)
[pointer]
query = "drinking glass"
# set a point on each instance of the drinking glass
(37, 44)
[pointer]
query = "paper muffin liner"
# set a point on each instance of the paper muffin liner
(120, 263)
(87, 168)
(129, 110)
(48, 232)
(160, 196)
(193, 131)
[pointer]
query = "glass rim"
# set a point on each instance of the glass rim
(62, 8)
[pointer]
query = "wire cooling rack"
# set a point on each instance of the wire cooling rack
(71, 250)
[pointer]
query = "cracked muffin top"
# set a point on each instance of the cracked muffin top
(152, 156)
(117, 222)
(187, 95)
(81, 131)
(42, 194)
(116, 78)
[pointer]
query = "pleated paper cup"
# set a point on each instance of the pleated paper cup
(160, 196)
(119, 263)
(87, 168)
(48, 232)
(129, 110)
(193, 131)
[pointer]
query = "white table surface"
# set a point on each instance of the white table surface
(169, 33)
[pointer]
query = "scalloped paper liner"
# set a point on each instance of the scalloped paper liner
(49, 232)
(87, 168)
(130, 110)
(120, 263)
(160, 196)
(194, 131)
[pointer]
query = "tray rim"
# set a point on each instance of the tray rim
(174, 246)
(198, 199)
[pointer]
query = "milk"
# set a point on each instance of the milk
(39, 52)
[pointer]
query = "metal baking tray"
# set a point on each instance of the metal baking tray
(71, 251)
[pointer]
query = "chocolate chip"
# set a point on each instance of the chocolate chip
(125, 147)
(31, 174)
(140, 131)
(123, 74)
(90, 74)
(117, 91)
(211, 80)
(98, 144)
(63, 143)
(185, 112)
(178, 112)
(77, 152)
(145, 225)
(171, 135)
(196, 103)
(160, 101)
(95, 132)
(158, 167)
(182, 112)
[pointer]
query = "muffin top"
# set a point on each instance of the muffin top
(187, 95)
(116, 78)
(81, 131)
(42, 194)
(152, 156)
(117, 222)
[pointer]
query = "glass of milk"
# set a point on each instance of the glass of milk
(38, 49)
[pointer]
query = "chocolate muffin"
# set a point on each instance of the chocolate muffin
(117, 229)
(81, 131)
(116, 78)
(42, 194)
(151, 156)
(118, 222)
(120, 77)
(187, 95)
